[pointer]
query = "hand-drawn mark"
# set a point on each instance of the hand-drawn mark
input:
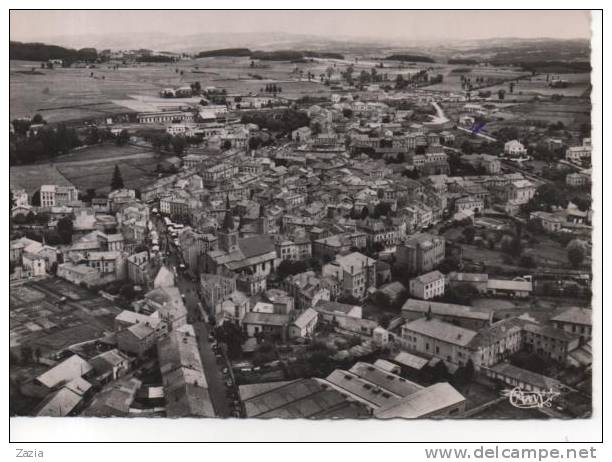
(530, 399)
(477, 127)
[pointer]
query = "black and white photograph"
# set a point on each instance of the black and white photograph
(336, 215)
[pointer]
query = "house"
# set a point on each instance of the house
(66, 401)
(550, 222)
(72, 368)
(52, 195)
(115, 400)
(183, 377)
(421, 253)
(110, 365)
(380, 336)
(469, 203)
(304, 325)
(356, 273)
(577, 179)
(168, 303)
(579, 153)
(267, 325)
(137, 339)
(575, 321)
(78, 274)
(514, 148)
(520, 191)
(330, 309)
(428, 285)
(306, 289)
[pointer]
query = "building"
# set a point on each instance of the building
(517, 377)
(53, 195)
(311, 398)
(550, 222)
(514, 148)
(549, 342)
(330, 310)
(428, 285)
(356, 273)
(306, 289)
(165, 117)
(183, 377)
(137, 339)
(266, 325)
(476, 280)
(575, 321)
(438, 338)
(469, 203)
(517, 287)
(438, 400)
(577, 179)
(304, 325)
(490, 164)
(520, 191)
(460, 315)
(579, 153)
(421, 253)
(254, 255)
(69, 369)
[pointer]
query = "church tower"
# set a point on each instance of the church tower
(228, 235)
(262, 221)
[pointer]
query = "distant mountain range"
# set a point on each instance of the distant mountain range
(500, 50)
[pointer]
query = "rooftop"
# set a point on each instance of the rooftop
(423, 403)
(441, 330)
(575, 315)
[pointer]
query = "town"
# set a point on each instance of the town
(299, 234)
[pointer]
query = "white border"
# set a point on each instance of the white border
(254, 430)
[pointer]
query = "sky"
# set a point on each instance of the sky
(393, 25)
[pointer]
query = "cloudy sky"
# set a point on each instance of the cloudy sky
(396, 25)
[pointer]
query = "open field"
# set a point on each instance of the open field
(452, 78)
(31, 177)
(91, 167)
(72, 94)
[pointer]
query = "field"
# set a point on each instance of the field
(37, 321)
(71, 94)
(452, 78)
(91, 167)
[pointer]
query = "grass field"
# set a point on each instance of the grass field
(90, 167)
(71, 94)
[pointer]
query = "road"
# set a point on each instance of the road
(212, 368)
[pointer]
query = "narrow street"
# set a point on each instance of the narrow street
(212, 370)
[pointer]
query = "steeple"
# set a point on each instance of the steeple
(228, 221)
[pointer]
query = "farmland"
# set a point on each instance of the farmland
(92, 167)
(61, 95)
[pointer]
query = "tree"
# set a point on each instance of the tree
(469, 233)
(117, 181)
(122, 138)
(576, 252)
(178, 145)
(64, 229)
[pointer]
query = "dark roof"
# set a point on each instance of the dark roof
(256, 245)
